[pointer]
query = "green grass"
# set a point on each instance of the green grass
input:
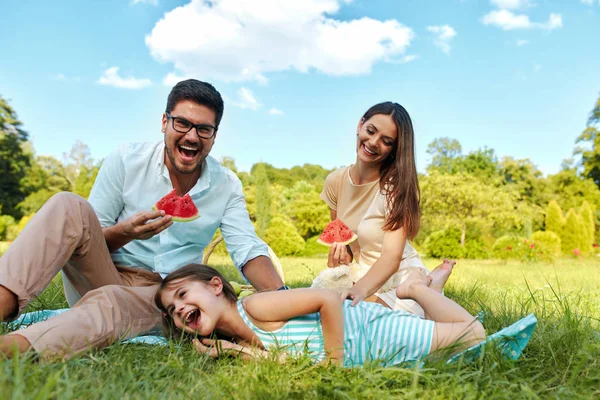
(561, 361)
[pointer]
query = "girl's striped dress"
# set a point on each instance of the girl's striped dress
(371, 333)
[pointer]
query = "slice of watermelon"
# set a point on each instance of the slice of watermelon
(337, 232)
(181, 209)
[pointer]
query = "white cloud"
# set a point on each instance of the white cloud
(521, 42)
(245, 40)
(58, 77)
(275, 111)
(110, 77)
(405, 59)
(508, 20)
(537, 68)
(246, 99)
(588, 2)
(444, 33)
(512, 4)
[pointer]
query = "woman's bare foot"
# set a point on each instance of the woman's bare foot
(415, 278)
(439, 276)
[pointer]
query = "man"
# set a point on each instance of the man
(115, 253)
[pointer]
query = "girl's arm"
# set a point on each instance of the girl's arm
(383, 269)
(283, 305)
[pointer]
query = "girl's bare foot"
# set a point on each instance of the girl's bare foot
(415, 278)
(440, 275)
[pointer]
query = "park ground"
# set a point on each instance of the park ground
(562, 359)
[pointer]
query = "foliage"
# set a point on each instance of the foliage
(549, 241)
(444, 243)
(14, 160)
(463, 200)
(512, 247)
(444, 151)
(263, 199)
(555, 221)
(589, 148)
(573, 234)
(308, 212)
(587, 219)
(6, 222)
(314, 249)
(283, 237)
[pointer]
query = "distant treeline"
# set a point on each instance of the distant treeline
(474, 205)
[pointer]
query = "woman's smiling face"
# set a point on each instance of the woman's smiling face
(376, 139)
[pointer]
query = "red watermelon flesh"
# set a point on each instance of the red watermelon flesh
(337, 232)
(181, 209)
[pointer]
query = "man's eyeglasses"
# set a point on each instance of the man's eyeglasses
(182, 125)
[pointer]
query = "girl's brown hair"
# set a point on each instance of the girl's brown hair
(192, 272)
(398, 173)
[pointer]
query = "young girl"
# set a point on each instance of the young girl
(378, 198)
(197, 300)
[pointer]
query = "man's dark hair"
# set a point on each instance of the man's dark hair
(199, 92)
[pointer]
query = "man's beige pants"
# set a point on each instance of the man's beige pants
(117, 302)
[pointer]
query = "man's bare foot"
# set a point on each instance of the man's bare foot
(439, 276)
(415, 278)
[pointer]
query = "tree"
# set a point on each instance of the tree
(462, 200)
(307, 211)
(283, 237)
(590, 149)
(14, 160)
(555, 221)
(587, 218)
(263, 199)
(76, 160)
(444, 152)
(573, 234)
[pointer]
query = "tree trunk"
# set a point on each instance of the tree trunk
(463, 234)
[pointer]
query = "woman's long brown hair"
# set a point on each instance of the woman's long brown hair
(398, 173)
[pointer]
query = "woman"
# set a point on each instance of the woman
(378, 198)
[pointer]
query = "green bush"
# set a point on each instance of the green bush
(6, 221)
(510, 247)
(283, 237)
(312, 248)
(555, 221)
(573, 234)
(548, 241)
(475, 248)
(444, 244)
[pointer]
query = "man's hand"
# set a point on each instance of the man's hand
(137, 226)
(338, 255)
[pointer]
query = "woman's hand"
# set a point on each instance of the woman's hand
(338, 255)
(355, 294)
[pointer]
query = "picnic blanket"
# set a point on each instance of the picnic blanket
(511, 340)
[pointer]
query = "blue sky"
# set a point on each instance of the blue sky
(518, 76)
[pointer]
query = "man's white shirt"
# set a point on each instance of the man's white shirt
(135, 177)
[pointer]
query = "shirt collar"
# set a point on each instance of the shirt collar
(203, 181)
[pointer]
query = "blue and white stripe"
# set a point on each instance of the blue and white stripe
(371, 333)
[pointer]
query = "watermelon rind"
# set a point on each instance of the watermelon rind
(179, 219)
(347, 242)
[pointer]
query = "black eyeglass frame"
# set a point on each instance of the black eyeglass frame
(192, 126)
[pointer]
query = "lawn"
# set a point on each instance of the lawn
(561, 361)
